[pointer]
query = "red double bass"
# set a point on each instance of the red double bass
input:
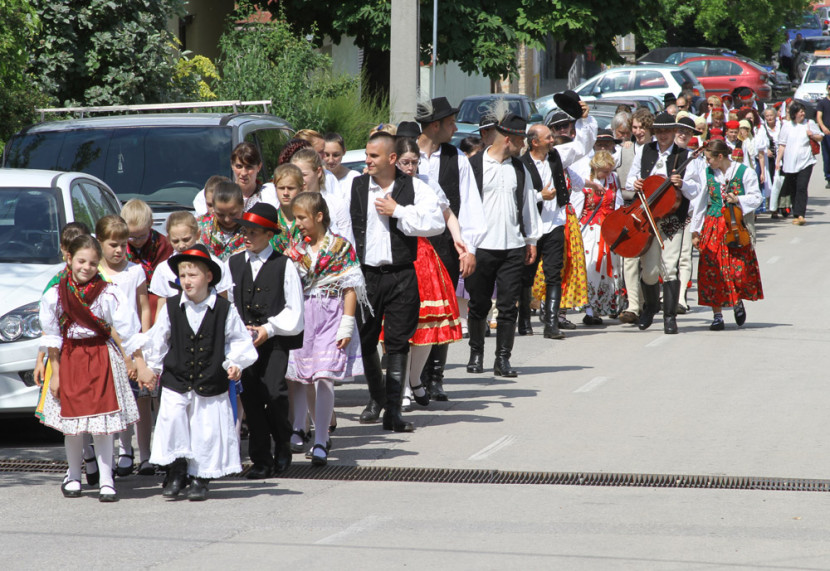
(630, 230)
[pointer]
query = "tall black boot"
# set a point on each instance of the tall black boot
(671, 293)
(176, 479)
(434, 372)
(377, 389)
(651, 305)
(396, 365)
(525, 327)
(553, 294)
(476, 329)
(504, 348)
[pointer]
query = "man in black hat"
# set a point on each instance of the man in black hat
(445, 164)
(670, 103)
(546, 166)
(487, 129)
(513, 228)
(662, 157)
(561, 124)
(268, 294)
(389, 211)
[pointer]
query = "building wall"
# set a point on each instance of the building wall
(203, 25)
(453, 83)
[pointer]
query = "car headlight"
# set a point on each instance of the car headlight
(22, 323)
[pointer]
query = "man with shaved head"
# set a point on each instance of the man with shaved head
(546, 166)
(389, 211)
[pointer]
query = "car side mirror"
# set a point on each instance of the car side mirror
(596, 91)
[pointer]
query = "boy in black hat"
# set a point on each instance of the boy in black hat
(445, 164)
(513, 228)
(199, 344)
(269, 296)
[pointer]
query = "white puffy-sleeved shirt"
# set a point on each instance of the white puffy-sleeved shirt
(422, 218)
(341, 219)
(111, 305)
(472, 211)
(342, 186)
(239, 347)
(471, 217)
(691, 185)
(268, 193)
(749, 201)
(797, 152)
(499, 198)
(128, 281)
(163, 276)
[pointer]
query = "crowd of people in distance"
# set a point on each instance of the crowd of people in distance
(242, 319)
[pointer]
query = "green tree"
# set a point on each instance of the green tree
(104, 52)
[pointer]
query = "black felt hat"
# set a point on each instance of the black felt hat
(261, 215)
(568, 101)
(486, 121)
(559, 118)
(607, 135)
(409, 129)
(197, 253)
(437, 109)
(664, 121)
(669, 99)
(512, 124)
(687, 123)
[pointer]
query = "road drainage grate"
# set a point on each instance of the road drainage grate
(469, 476)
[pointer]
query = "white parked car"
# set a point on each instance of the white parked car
(34, 206)
(814, 82)
(631, 81)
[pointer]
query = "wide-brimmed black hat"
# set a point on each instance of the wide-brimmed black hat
(687, 123)
(669, 99)
(261, 215)
(408, 129)
(664, 121)
(197, 253)
(440, 108)
(559, 118)
(607, 135)
(512, 124)
(486, 121)
(568, 101)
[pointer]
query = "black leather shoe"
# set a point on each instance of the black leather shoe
(259, 472)
(283, 460)
(565, 324)
(299, 448)
(394, 421)
(71, 493)
(176, 479)
(371, 413)
(198, 490)
(318, 459)
(502, 368)
(651, 295)
(717, 325)
(740, 313)
(433, 373)
(422, 400)
(670, 325)
(92, 477)
(476, 363)
(592, 320)
(108, 498)
(124, 471)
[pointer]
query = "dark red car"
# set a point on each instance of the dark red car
(722, 74)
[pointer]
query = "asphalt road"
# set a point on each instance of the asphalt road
(743, 402)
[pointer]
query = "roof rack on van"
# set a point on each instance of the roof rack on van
(235, 104)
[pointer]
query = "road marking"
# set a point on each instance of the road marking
(591, 385)
(356, 528)
(795, 240)
(488, 451)
(773, 259)
(657, 342)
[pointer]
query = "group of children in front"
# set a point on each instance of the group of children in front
(234, 317)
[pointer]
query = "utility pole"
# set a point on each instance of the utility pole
(404, 60)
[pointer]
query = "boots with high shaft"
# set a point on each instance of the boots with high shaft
(476, 329)
(504, 349)
(396, 365)
(553, 295)
(651, 305)
(671, 294)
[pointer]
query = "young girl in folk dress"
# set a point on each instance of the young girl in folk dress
(602, 194)
(288, 180)
(725, 275)
(332, 286)
(112, 233)
(89, 392)
(314, 178)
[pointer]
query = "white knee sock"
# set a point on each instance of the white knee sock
(74, 445)
(144, 427)
(103, 451)
(322, 411)
(418, 355)
(299, 402)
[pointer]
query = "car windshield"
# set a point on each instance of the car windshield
(471, 109)
(817, 74)
(814, 44)
(810, 22)
(29, 226)
(155, 164)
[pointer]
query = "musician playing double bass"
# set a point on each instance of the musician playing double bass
(663, 157)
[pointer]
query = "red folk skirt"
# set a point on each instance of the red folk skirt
(725, 275)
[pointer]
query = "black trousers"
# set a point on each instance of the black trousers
(503, 269)
(795, 185)
(551, 251)
(265, 398)
(396, 303)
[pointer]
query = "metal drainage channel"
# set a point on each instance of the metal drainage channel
(467, 476)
